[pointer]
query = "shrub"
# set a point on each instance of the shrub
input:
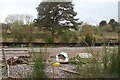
(48, 38)
(39, 65)
(74, 37)
(89, 39)
(113, 63)
(64, 37)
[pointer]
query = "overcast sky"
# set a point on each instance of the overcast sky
(90, 11)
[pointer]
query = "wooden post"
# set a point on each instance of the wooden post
(53, 72)
(3, 52)
(6, 65)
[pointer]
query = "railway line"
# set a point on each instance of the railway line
(7, 59)
(11, 52)
(65, 70)
(35, 44)
(14, 52)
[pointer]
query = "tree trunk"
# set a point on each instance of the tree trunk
(53, 34)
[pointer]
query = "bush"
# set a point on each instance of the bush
(110, 61)
(89, 40)
(113, 64)
(48, 38)
(39, 65)
(74, 37)
(64, 37)
(17, 32)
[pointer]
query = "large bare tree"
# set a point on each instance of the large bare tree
(21, 19)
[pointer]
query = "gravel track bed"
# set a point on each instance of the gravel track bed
(17, 71)
(56, 72)
(22, 71)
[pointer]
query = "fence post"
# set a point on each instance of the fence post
(6, 65)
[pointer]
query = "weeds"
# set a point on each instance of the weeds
(39, 64)
(106, 64)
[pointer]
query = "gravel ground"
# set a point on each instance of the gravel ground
(21, 71)
(17, 71)
(56, 72)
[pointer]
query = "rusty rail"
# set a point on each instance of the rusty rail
(69, 71)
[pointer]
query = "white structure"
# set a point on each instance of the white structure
(61, 60)
(85, 55)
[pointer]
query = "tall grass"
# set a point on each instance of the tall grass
(113, 65)
(39, 63)
(108, 68)
(106, 64)
(110, 61)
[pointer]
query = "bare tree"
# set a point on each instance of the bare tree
(28, 19)
(21, 19)
(9, 19)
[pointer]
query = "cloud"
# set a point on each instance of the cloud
(91, 11)
(91, 1)
(8, 7)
